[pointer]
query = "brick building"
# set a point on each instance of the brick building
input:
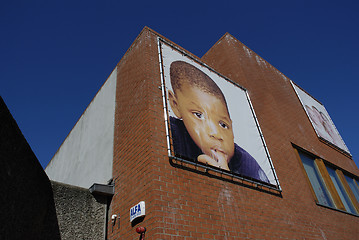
(125, 138)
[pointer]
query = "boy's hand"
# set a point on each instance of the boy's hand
(221, 163)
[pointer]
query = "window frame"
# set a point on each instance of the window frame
(348, 189)
(300, 161)
(321, 168)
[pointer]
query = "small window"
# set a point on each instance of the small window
(353, 186)
(341, 191)
(331, 186)
(321, 192)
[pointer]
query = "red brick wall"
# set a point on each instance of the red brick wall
(138, 128)
(283, 121)
(181, 204)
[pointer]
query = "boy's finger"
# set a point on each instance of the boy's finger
(207, 159)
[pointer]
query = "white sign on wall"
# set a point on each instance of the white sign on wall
(137, 211)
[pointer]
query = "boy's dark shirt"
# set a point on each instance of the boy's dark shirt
(241, 163)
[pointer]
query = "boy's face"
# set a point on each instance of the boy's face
(206, 119)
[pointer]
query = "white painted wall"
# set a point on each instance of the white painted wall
(86, 155)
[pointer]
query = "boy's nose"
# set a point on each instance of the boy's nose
(212, 131)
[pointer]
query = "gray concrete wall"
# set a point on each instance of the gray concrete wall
(27, 207)
(80, 215)
(86, 155)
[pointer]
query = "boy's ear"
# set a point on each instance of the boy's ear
(174, 103)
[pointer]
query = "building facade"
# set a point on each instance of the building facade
(302, 181)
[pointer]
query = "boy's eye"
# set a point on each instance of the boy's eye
(223, 125)
(198, 115)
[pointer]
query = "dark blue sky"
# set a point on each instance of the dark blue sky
(55, 55)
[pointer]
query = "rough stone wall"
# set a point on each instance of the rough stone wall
(27, 207)
(80, 215)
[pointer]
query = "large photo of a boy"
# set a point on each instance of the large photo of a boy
(201, 125)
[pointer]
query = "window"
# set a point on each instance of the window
(341, 191)
(330, 186)
(353, 186)
(323, 196)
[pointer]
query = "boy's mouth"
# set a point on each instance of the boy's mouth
(218, 154)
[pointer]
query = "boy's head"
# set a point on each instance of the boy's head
(200, 103)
